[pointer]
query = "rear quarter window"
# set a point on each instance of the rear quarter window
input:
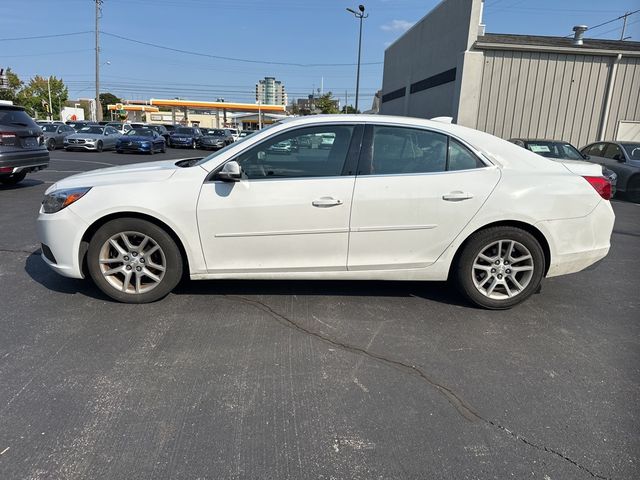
(16, 117)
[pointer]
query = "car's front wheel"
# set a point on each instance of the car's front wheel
(51, 144)
(500, 267)
(99, 146)
(134, 261)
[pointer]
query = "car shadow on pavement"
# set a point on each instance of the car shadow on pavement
(29, 182)
(41, 273)
(440, 292)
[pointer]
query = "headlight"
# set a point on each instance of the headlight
(59, 199)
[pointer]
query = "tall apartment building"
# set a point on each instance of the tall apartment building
(270, 92)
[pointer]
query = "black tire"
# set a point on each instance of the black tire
(99, 146)
(633, 189)
(51, 144)
(119, 151)
(172, 258)
(164, 148)
(466, 276)
(13, 179)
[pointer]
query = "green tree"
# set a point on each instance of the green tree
(349, 109)
(35, 96)
(13, 86)
(326, 103)
(107, 99)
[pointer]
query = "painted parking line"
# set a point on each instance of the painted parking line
(83, 161)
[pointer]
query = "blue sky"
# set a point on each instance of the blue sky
(283, 31)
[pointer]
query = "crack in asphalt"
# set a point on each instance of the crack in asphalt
(455, 400)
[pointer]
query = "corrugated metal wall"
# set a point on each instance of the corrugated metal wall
(625, 100)
(554, 95)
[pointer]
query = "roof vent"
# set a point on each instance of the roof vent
(579, 34)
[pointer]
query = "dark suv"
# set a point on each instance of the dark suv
(22, 147)
(189, 137)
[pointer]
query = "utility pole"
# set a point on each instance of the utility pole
(624, 24)
(50, 109)
(98, 106)
(346, 102)
(359, 15)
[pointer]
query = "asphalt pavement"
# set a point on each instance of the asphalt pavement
(322, 380)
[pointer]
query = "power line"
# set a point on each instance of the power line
(45, 36)
(609, 21)
(234, 59)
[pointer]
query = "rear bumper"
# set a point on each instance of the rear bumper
(577, 243)
(27, 160)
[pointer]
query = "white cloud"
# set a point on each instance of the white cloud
(397, 26)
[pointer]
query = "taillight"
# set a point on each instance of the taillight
(7, 138)
(601, 185)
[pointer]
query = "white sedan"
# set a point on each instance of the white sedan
(390, 198)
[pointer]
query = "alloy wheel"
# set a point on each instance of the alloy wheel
(503, 269)
(132, 262)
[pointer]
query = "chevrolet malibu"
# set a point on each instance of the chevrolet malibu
(392, 199)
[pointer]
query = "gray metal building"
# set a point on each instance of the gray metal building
(512, 85)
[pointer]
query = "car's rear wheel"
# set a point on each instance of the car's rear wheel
(633, 189)
(134, 261)
(13, 179)
(51, 144)
(99, 146)
(163, 149)
(500, 267)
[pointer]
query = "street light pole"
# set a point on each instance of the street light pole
(359, 15)
(98, 106)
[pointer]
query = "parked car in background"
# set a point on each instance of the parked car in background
(169, 126)
(93, 137)
(22, 148)
(188, 137)
(244, 134)
(120, 126)
(55, 133)
(624, 159)
(234, 133)
(160, 130)
(563, 152)
(431, 201)
(215, 138)
(145, 140)
(78, 124)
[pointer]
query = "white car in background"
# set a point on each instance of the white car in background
(393, 199)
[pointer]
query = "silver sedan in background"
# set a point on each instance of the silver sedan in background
(55, 133)
(93, 137)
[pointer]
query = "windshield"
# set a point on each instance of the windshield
(555, 150)
(49, 128)
(231, 145)
(94, 130)
(216, 132)
(115, 125)
(185, 130)
(633, 150)
(141, 132)
(16, 117)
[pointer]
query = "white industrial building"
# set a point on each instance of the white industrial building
(524, 86)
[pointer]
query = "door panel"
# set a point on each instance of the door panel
(272, 225)
(416, 190)
(291, 209)
(403, 221)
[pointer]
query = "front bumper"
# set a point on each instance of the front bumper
(133, 148)
(80, 146)
(181, 142)
(62, 233)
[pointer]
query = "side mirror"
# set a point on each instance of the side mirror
(618, 157)
(230, 172)
(586, 157)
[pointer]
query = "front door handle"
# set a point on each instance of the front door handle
(457, 196)
(324, 202)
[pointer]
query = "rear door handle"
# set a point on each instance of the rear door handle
(457, 196)
(324, 202)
